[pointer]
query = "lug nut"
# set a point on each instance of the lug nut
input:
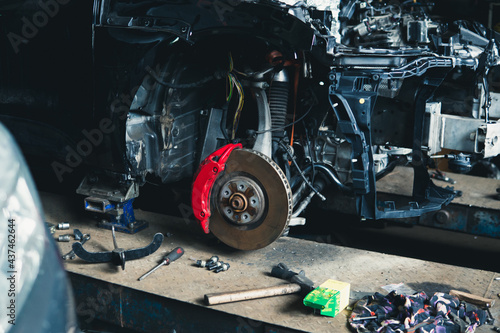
(64, 238)
(63, 226)
(224, 267)
(201, 263)
(212, 260)
(214, 266)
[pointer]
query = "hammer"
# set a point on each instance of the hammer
(299, 283)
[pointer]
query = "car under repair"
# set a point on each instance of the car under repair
(268, 106)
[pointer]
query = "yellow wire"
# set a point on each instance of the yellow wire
(231, 83)
(231, 63)
(241, 101)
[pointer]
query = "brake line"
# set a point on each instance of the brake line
(311, 186)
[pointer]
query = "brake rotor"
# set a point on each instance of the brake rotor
(251, 202)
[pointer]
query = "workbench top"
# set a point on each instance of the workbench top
(366, 271)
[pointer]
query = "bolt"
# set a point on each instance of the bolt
(224, 267)
(215, 265)
(69, 256)
(64, 238)
(63, 226)
(201, 263)
(442, 216)
(212, 260)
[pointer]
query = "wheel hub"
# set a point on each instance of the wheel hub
(238, 202)
(241, 200)
(251, 202)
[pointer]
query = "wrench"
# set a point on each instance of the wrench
(71, 254)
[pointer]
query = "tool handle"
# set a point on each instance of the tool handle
(235, 296)
(282, 271)
(474, 299)
(174, 255)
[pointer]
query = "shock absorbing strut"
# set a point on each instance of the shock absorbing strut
(278, 105)
(278, 100)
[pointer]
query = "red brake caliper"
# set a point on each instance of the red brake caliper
(204, 180)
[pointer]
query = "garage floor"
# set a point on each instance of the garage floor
(171, 299)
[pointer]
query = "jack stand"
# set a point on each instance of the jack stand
(113, 199)
(119, 215)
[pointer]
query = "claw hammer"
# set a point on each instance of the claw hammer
(299, 284)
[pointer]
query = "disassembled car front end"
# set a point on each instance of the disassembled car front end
(270, 103)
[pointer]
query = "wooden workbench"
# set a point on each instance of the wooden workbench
(105, 292)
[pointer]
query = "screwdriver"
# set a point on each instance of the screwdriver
(172, 256)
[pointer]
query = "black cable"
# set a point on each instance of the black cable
(300, 172)
(283, 127)
(181, 85)
(151, 183)
(310, 151)
(331, 175)
(223, 122)
(254, 74)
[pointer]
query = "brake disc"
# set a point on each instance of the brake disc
(251, 202)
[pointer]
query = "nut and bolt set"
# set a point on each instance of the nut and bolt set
(77, 234)
(213, 264)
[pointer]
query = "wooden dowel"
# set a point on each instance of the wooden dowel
(235, 296)
(473, 299)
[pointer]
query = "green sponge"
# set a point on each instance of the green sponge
(329, 298)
